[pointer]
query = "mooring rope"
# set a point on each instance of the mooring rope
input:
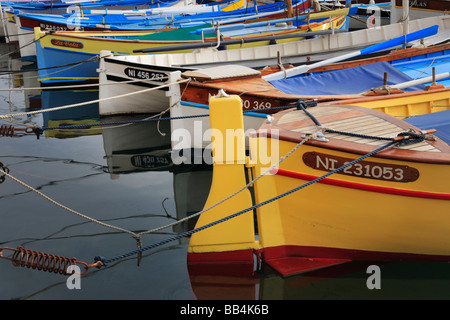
(309, 137)
(5, 173)
(77, 86)
(86, 102)
(104, 261)
(151, 119)
(403, 137)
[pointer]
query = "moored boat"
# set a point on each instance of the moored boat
(56, 50)
(142, 20)
(125, 74)
(330, 185)
(12, 28)
(186, 94)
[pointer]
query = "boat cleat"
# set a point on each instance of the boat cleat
(318, 136)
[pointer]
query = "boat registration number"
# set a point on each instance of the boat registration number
(148, 161)
(145, 74)
(364, 169)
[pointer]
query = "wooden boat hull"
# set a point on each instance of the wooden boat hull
(258, 94)
(131, 88)
(376, 221)
(391, 206)
(22, 25)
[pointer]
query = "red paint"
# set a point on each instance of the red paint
(290, 259)
(365, 187)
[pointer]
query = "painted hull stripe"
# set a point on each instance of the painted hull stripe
(365, 187)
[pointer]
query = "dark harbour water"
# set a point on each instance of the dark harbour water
(89, 171)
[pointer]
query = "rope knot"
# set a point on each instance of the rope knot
(409, 137)
(101, 260)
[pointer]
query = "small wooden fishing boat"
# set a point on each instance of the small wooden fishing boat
(13, 32)
(330, 184)
(142, 20)
(58, 49)
(54, 6)
(317, 82)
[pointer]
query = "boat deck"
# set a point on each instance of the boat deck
(295, 124)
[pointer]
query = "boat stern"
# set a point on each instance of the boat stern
(226, 229)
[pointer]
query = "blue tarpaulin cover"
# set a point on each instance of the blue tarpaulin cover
(347, 81)
(437, 120)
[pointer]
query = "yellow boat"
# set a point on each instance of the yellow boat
(326, 185)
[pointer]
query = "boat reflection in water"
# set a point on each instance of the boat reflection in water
(83, 114)
(136, 143)
(132, 144)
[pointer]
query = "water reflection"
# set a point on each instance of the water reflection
(132, 144)
(137, 143)
(132, 148)
(71, 118)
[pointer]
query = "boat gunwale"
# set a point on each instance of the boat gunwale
(298, 30)
(167, 69)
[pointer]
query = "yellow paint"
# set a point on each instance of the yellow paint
(68, 133)
(229, 177)
(234, 6)
(38, 33)
(408, 104)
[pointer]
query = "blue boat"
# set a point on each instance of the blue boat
(146, 20)
(54, 6)
(60, 49)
